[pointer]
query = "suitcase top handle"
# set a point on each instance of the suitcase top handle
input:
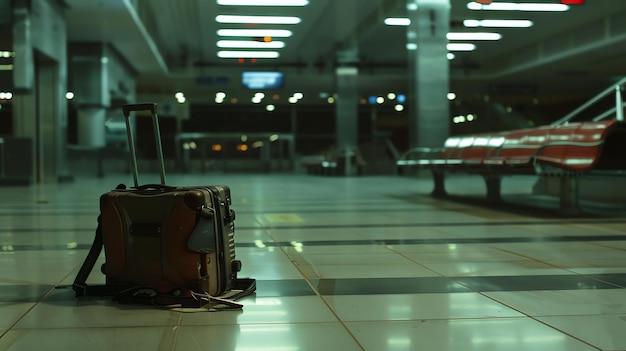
(131, 143)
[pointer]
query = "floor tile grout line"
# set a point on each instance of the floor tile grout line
(536, 319)
(312, 286)
(588, 276)
(506, 305)
(177, 332)
(35, 304)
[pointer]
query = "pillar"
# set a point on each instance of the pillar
(429, 72)
(91, 95)
(40, 84)
(346, 110)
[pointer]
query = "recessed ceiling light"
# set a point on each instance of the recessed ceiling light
(513, 6)
(248, 54)
(250, 44)
(498, 23)
(474, 36)
(257, 19)
(278, 33)
(263, 2)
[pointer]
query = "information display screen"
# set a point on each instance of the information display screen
(262, 80)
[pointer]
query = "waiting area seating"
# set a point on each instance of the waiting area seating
(565, 149)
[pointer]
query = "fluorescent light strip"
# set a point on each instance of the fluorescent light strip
(257, 19)
(278, 33)
(461, 47)
(397, 21)
(474, 36)
(263, 2)
(248, 54)
(513, 6)
(498, 23)
(450, 47)
(250, 44)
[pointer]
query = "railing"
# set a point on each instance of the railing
(619, 104)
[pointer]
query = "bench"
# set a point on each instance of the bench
(564, 149)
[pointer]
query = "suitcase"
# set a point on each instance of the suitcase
(175, 241)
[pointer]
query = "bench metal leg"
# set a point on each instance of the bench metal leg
(493, 183)
(440, 186)
(569, 195)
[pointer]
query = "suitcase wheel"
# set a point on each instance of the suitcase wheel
(103, 268)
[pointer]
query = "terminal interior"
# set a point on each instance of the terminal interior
(331, 131)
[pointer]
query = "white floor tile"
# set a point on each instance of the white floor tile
(603, 331)
(519, 334)
(266, 310)
(261, 337)
(93, 339)
(338, 271)
(417, 306)
(62, 310)
(564, 302)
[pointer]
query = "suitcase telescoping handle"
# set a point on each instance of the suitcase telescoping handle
(131, 143)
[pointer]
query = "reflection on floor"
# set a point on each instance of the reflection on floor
(358, 263)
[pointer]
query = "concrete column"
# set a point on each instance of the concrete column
(40, 76)
(429, 72)
(292, 142)
(346, 107)
(23, 64)
(346, 110)
(91, 131)
(91, 91)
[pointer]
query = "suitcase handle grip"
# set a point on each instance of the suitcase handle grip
(139, 107)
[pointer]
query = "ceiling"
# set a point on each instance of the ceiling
(172, 46)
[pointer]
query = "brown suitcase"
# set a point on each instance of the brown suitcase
(166, 238)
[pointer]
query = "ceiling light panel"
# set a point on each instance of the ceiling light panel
(250, 44)
(513, 6)
(263, 2)
(276, 33)
(461, 47)
(248, 54)
(397, 21)
(257, 19)
(474, 36)
(498, 23)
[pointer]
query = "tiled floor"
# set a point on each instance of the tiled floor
(359, 263)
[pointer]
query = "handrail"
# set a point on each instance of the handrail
(617, 88)
(604, 115)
